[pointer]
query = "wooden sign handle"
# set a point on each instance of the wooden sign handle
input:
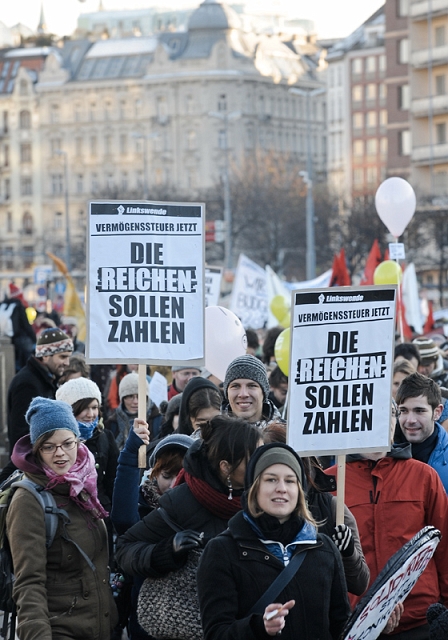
(341, 490)
(142, 411)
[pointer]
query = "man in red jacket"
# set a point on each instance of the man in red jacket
(393, 497)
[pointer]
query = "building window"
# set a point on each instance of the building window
(77, 112)
(5, 122)
(357, 66)
(382, 62)
(27, 223)
(162, 108)
(25, 120)
(56, 184)
(79, 183)
(58, 220)
(123, 109)
(54, 113)
(357, 93)
(441, 133)
(372, 175)
(383, 147)
(441, 182)
(383, 118)
(95, 184)
(222, 102)
(124, 181)
(92, 112)
(138, 108)
(7, 189)
(25, 152)
(402, 8)
(403, 51)
(108, 145)
(81, 219)
(78, 147)
(123, 144)
(110, 181)
(371, 119)
(370, 91)
(382, 91)
(9, 222)
(26, 186)
(404, 143)
(404, 97)
(372, 147)
(371, 64)
(190, 104)
(28, 256)
(358, 177)
(357, 121)
(6, 155)
(358, 148)
(108, 110)
(93, 146)
(440, 85)
(439, 36)
(191, 140)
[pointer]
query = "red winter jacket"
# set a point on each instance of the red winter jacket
(392, 500)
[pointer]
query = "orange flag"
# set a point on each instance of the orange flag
(340, 276)
(373, 260)
(429, 324)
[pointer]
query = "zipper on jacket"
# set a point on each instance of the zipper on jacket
(374, 496)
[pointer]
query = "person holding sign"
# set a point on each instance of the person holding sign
(274, 532)
(392, 498)
(420, 406)
(246, 390)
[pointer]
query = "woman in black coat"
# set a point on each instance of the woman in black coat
(207, 494)
(238, 566)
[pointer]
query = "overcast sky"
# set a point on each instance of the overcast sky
(334, 18)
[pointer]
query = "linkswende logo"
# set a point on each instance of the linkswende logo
(120, 209)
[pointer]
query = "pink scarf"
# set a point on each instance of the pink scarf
(82, 479)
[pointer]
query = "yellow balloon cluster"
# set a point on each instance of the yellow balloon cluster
(388, 272)
(281, 351)
(280, 310)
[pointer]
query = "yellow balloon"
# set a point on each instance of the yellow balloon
(278, 307)
(281, 351)
(31, 314)
(286, 320)
(388, 272)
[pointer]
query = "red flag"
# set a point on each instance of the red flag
(429, 324)
(373, 260)
(340, 276)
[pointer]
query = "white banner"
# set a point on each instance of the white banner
(249, 294)
(341, 369)
(213, 277)
(146, 283)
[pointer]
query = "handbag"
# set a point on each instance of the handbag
(168, 607)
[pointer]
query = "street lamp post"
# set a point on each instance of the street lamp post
(225, 118)
(308, 179)
(145, 137)
(59, 152)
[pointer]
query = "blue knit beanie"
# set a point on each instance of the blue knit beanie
(46, 415)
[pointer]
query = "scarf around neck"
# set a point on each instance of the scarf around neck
(86, 429)
(216, 502)
(82, 481)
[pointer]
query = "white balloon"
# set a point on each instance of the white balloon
(395, 203)
(225, 340)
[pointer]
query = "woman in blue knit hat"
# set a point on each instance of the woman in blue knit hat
(62, 592)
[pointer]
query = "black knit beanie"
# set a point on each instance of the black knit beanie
(437, 616)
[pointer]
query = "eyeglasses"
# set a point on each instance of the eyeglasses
(65, 446)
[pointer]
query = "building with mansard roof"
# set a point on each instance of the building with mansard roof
(132, 114)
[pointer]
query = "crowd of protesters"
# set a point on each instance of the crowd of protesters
(219, 479)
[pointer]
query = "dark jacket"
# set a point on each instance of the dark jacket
(31, 381)
(105, 451)
(235, 571)
(120, 423)
(57, 593)
(146, 549)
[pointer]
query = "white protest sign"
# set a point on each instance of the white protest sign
(146, 283)
(340, 370)
(158, 388)
(249, 294)
(392, 586)
(213, 277)
(396, 251)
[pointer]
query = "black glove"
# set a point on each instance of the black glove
(187, 540)
(343, 539)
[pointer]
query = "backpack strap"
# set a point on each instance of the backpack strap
(52, 514)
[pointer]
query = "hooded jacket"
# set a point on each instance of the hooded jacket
(56, 592)
(392, 499)
(192, 386)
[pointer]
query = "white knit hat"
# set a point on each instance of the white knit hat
(78, 389)
(129, 386)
